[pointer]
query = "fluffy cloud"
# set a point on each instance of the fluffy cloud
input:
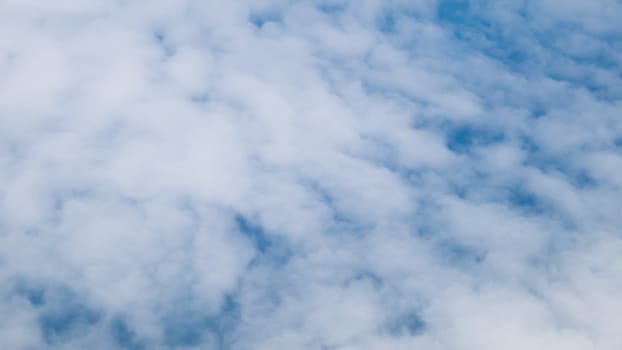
(310, 175)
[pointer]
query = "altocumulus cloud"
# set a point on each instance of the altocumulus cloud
(324, 174)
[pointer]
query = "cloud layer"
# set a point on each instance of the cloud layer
(324, 174)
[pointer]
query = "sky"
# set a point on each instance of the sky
(320, 174)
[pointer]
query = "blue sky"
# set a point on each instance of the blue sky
(276, 174)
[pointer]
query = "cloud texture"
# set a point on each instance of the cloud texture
(327, 174)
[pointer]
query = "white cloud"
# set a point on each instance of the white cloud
(309, 175)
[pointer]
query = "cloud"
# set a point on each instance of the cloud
(310, 175)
